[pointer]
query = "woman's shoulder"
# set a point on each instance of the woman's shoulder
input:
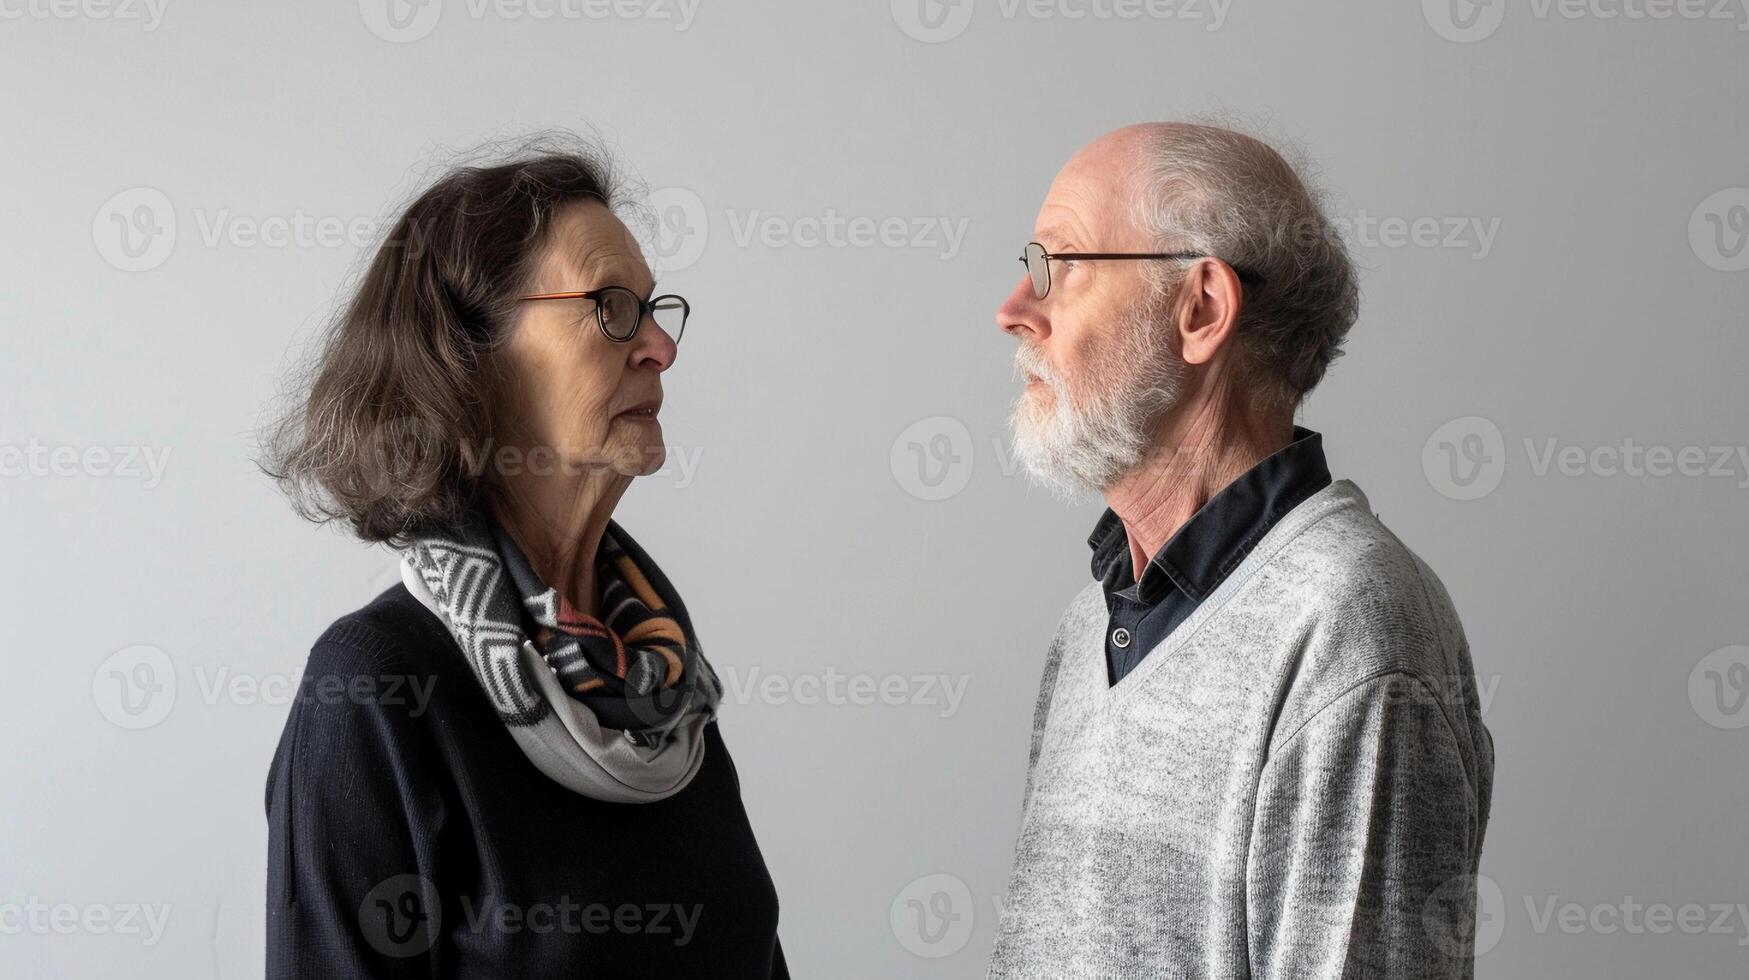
(366, 726)
(394, 629)
(387, 664)
(378, 683)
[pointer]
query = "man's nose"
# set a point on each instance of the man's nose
(1019, 314)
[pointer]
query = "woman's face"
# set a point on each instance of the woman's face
(569, 397)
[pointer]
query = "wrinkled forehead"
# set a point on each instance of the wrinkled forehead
(590, 247)
(1090, 206)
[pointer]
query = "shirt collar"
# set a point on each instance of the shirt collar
(1219, 535)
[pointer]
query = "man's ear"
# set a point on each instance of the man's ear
(1209, 300)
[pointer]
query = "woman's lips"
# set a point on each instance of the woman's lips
(641, 413)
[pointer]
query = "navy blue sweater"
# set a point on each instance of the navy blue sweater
(408, 836)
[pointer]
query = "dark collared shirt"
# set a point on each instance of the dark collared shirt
(1201, 555)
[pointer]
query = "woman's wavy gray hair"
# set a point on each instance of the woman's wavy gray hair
(1210, 189)
(386, 428)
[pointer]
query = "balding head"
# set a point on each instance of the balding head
(1184, 187)
(1230, 279)
(1091, 201)
(1220, 192)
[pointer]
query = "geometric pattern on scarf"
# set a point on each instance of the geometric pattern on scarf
(626, 723)
(628, 667)
(467, 575)
(634, 650)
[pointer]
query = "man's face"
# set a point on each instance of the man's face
(1094, 353)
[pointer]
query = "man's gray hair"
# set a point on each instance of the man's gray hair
(1213, 190)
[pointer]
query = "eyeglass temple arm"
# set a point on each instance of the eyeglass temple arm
(525, 299)
(1245, 275)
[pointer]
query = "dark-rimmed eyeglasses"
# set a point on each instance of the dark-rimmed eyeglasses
(620, 311)
(1038, 264)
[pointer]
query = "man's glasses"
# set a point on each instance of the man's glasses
(620, 311)
(1038, 264)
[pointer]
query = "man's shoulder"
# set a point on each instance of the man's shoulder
(1359, 577)
(1371, 609)
(1086, 610)
(1084, 615)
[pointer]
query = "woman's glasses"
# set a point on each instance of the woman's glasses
(621, 311)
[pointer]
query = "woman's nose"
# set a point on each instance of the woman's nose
(652, 347)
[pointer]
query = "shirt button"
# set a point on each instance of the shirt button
(1121, 638)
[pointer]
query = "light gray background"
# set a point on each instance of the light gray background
(806, 541)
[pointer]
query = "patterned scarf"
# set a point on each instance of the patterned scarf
(613, 708)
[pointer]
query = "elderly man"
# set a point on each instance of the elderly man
(1257, 749)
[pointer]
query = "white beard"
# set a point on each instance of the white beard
(1082, 444)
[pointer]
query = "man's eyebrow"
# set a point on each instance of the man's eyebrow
(1052, 236)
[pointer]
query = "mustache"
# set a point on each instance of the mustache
(1030, 360)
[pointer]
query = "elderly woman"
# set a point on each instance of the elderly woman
(508, 765)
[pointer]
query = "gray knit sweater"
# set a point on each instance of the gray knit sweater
(1295, 783)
